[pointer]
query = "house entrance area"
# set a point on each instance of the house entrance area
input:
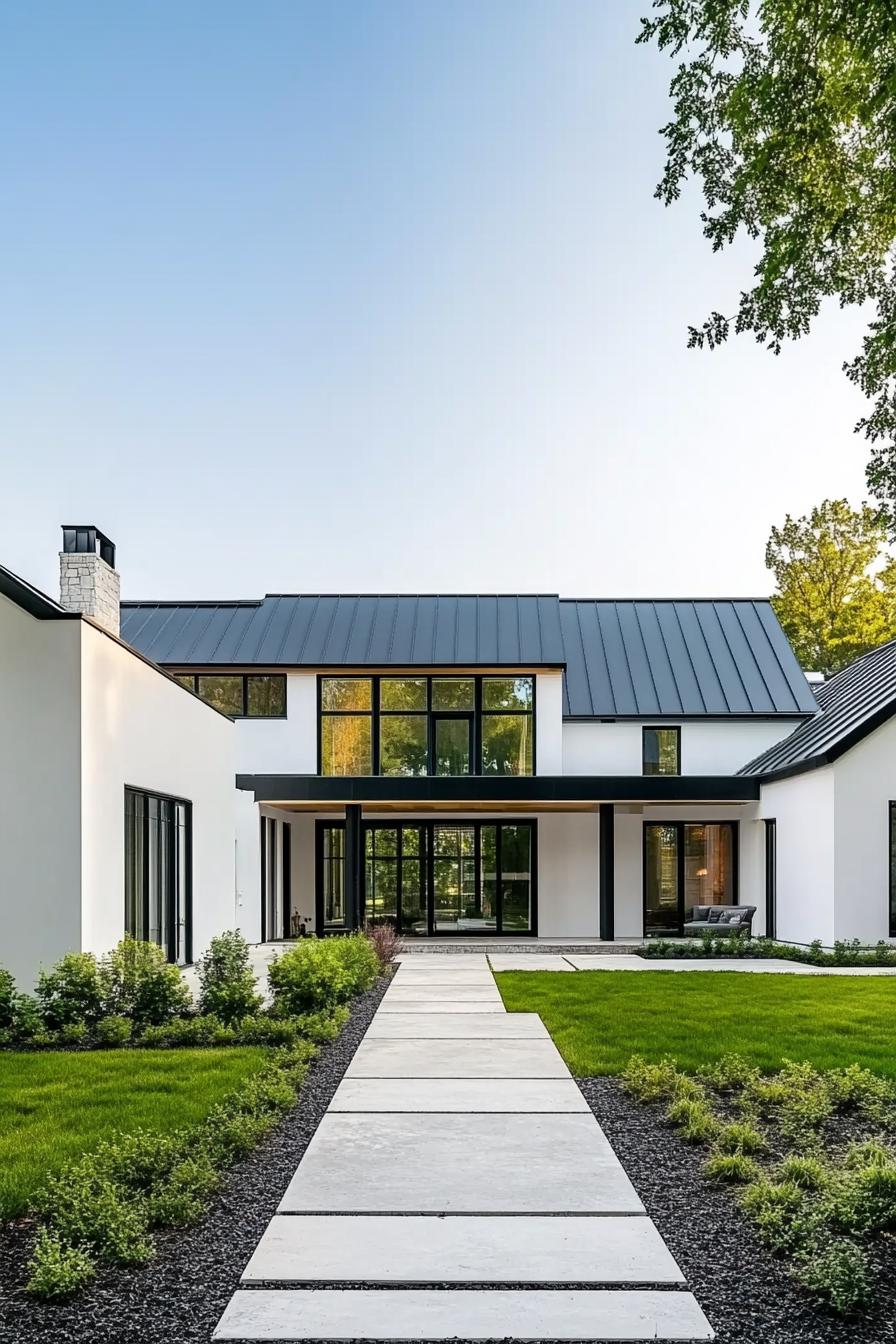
(686, 864)
(432, 878)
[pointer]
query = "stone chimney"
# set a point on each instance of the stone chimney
(88, 579)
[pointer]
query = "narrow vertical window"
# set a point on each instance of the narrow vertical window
(893, 870)
(507, 725)
(346, 726)
(661, 751)
(157, 871)
(771, 875)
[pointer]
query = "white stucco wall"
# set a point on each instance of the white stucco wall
(864, 784)
(549, 723)
(804, 810)
(708, 746)
(282, 746)
(568, 875)
(40, 847)
(140, 728)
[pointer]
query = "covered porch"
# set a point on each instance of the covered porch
(571, 860)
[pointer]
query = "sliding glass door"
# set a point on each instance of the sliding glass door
(687, 864)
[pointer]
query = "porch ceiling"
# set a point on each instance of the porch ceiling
(531, 792)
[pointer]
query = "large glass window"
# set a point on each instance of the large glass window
(686, 864)
(893, 870)
(255, 695)
(157, 884)
(661, 751)
(333, 876)
(443, 725)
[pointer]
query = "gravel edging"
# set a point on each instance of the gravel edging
(179, 1296)
(743, 1289)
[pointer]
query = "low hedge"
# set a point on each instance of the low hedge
(322, 972)
(105, 1207)
(736, 945)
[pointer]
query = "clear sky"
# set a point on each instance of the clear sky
(374, 294)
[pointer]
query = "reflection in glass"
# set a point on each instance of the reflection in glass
(265, 697)
(507, 744)
(345, 693)
(708, 866)
(225, 693)
(453, 693)
(403, 744)
(346, 744)
(516, 878)
(402, 693)
(451, 749)
(507, 693)
(661, 879)
(661, 751)
(454, 879)
(334, 875)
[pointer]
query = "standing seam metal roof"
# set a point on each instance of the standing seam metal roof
(636, 659)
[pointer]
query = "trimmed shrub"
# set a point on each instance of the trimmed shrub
(74, 1033)
(226, 979)
(188, 1031)
(321, 972)
(730, 1073)
(112, 1031)
(86, 1208)
(740, 1138)
(324, 1026)
(7, 1000)
(839, 1273)
(138, 983)
(650, 1082)
(71, 993)
(732, 1168)
(57, 1270)
(27, 1023)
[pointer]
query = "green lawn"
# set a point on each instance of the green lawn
(56, 1105)
(599, 1018)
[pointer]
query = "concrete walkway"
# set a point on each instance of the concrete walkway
(459, 1187)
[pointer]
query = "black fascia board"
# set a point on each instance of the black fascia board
(834, 752)
(31, 599)
(375, 789)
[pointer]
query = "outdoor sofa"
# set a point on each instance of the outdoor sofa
(721, 919)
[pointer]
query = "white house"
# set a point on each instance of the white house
(507, 766)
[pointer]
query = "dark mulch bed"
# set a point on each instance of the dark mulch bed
(744, 1290)
(180, 1295)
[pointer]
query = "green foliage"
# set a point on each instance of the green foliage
(863, 1199)
(808, 1173)
(833, 598)
(74, 1033)
(650, 1082)
(107, 1203)
(322, 1026)
(738, 1137)
(57, 1269)
(7, 1000)
(71, 993)
(321, 972)
(112, 1031)
(184, 1031)
(226, 979)
(138, 983)
(783, 112)
(732, 1168)
(730, 1073)
(839, 1273)
(28, 1025)
(775, 1207)
(693, 1119)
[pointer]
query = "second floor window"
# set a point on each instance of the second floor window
(256, 695)
(441, 725)
(661, 751)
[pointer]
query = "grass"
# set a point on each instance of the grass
(598, 1019)
(54, 1106)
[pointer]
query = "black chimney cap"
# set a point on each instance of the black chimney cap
(82, 540)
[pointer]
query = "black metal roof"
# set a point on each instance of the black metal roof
(31, 599)
(632, 658)
(851, 705)
(675, 658)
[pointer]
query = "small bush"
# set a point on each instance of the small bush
(321, 972)
(186, 1031)
(138, 983)
(87, 1209)
(839, 1273)
(860, 1090)
(775, 1207)
(650, 1082)
(864, 1200)
(112, 1031)
(27, 1023)
(732, 1168)
(71, 993)
(324, 1026)
(57, 1270)
(180, 1200)
(693, 1119)
(73, 1033)
(7, 1000)
(808, 1173)
(226, 979)
(385, 941)
(740, 1138)
(730, 1073)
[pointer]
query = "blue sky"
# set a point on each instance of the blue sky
(357, 296)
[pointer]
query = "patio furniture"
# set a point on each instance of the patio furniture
(721, 919)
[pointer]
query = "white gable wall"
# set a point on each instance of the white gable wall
(708, 746)
(864, 784)
(804, 810)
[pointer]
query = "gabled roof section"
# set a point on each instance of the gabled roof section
(679, 659)
(851, 705)
(31, 599)
(351, 630)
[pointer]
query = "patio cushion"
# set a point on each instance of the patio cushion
(714, 915)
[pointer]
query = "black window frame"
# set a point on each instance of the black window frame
(427, 861)
(476, 714)
(771, 876)
(891, 808)
(661, 728)
(193, 677)
(679, 824)
(275, 848)
(171, 897)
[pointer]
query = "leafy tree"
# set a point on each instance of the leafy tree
(836, 592)
(785, 112)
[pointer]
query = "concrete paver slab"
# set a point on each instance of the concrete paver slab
(425, 1314)
(417, 1006)
(486, 992)
(374, 1249)
(423, 1164)
(531, 961)
(457, 1026)
(457, 1059)
(473, 1095)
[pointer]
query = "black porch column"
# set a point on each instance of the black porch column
(354, 859)
(607, 866)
